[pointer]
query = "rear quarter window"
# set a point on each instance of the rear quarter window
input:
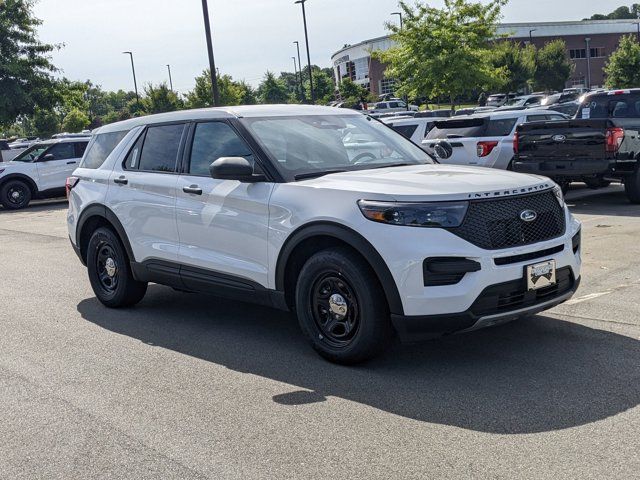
(100, 148)
(610, 106)
(405, 130)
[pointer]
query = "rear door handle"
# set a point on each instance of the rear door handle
(71, 163)
(193, 189)
(120, 181)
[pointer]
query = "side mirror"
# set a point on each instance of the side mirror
(47, 158)
(234, 168)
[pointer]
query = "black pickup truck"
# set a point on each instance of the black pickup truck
(600, 144)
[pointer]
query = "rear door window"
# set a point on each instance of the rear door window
(80, 148)
(101, 147)
(160, 148)
(62, 151)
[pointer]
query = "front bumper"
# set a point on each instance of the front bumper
(423, 327)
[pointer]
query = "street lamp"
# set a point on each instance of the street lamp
(531, 36)
(212, 63)
(637, 24)
(399, 15)
(170, 81)
(300, 65)
(135, 83)
(306, 37)
(295, 71)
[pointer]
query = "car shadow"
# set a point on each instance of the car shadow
(41, 206)
(535, 375)
(605, 201)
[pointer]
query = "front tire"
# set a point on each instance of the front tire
(341, 307)
(15, 194)
(110, 273)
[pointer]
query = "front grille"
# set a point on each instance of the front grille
(494, 224)
(514, 295)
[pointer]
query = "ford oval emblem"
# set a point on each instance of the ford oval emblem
(559, 138)
(528, 215)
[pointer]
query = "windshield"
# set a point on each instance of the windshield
(31, 153)
(307, 146)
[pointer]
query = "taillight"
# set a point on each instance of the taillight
(613, 139)
(70, 183)
(516, 143)
(485, 148)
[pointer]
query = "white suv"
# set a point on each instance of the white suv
(267, 204)
(40, 171)
(483, 140)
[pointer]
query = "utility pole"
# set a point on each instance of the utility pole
(135, 83)
(587, 40)
(302, 96)
(295, 72)
(306, 37)
(170, 81)
(212, 63)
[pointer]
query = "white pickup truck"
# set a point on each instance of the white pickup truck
(40, 171)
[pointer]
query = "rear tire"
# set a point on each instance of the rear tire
(632, 186)
(15, 194)
(342, 308)
(109, 271)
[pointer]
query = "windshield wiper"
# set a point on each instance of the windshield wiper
(321, 173)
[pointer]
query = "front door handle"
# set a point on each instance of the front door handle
(120, 180)
(71, 163)
(193, 189)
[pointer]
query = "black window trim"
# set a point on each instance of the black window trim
(176, 170)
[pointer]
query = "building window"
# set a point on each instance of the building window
(361, 68)
(579, 82)
(387, 85)
(576, 53)
(597, 52)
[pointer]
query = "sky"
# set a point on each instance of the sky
(249, 36)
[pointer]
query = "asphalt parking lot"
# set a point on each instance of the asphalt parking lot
(190, 386)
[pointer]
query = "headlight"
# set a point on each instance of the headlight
(557, 191)
(439, 214)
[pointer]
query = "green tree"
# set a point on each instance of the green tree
(351, 93)
(160, 99)
(323, 86)
(553, 68)
(516, 63)
(75, 121)
(25, 68)
(272, 90)
(623, 68)
(619, 13)
(443, 52)
(231, 92)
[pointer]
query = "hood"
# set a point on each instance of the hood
(432, 182)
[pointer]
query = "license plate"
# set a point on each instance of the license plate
(541, 275)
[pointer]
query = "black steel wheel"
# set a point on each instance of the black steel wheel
(341, 307)
(15, 194)
(109, 271)
(335, 308)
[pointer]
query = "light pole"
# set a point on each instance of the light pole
(587, 40)
(212, 63)
(135, 83)
(399, 15)
(300, 71)
(306, 38)
(531, 36)
(637, 24)
(295, 71)
(170, 81)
